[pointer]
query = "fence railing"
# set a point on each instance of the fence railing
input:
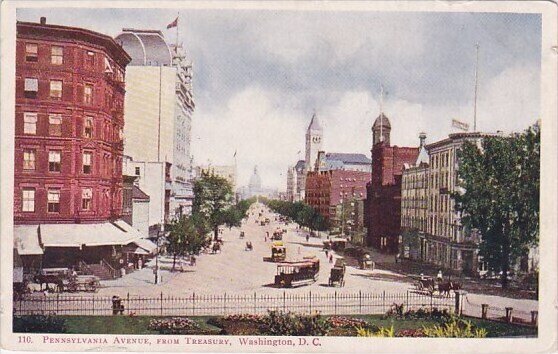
(225, 304)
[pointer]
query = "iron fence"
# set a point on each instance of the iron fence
(335, 303)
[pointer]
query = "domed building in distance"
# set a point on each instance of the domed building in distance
(255, 188)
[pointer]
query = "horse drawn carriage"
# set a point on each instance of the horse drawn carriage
(277, 235)
(82, 283)
(431, 285)
(337, 273)
(303, 272)
(249, 246)
(365, 262)
(65, 280)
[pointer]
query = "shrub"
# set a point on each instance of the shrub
(39, 324)
(289, 324)
(175, 325)
(245, 318)
(455, 327)
(381, 332)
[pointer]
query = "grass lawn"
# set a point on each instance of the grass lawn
(495, 329)
(139, 325)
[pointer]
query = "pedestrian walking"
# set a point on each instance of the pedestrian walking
(439, 277)
(327, 253)
(331, 258)
(307, 237)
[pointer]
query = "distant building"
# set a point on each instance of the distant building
(300, 180)
(255, 188)
(291, 184)
(383, 206)
(343, 161)
(327, 189)
(227, 172)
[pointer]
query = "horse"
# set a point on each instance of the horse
(49, 279)
(445, 288)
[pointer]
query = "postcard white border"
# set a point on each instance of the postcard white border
(548, 315)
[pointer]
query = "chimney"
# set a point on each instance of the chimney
(43, 20)
(422, 138)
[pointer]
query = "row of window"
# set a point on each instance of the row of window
(31, 89)
(56, 53)
(54, 161)
(53, 200)
(57, 58)
(30, 120)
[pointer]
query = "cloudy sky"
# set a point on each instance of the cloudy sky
(259, 75)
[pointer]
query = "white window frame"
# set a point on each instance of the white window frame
(31, 84)
(30, 123)
(53, 120)
(28, 161)
(55, 157)
(54, 92)
(28, 200)
(53, 197)
(87, 158)
(57, 55)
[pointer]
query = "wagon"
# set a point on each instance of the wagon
(82, 283)
(337, 276)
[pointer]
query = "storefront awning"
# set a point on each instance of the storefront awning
(77, 235)
(146, 245)
(26, 240)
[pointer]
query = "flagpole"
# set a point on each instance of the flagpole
(476, 89)
(177, 24)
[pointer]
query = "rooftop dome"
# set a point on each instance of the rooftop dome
(383, 121)
(146, 47)
(255, 180)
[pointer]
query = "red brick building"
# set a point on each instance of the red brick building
(326, 189)
(383, 205)
(69, 120)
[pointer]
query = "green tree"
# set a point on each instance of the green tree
(213, 196)
(187, 235)
(499, 196)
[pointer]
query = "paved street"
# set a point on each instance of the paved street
(237, 271)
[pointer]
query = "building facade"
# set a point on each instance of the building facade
(383, 206)
(69, 125)
(69, 121)
(444, 241)
(291, 184)
(414, 203)
(153, 178)
(158, 111)
(326, 190)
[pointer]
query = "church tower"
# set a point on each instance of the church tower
(381, 130)
(313, 142)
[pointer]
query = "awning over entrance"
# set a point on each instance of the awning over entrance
(26, 240)
(77, 235)
(146, 245)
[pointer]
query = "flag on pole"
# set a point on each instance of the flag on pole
(173, 23)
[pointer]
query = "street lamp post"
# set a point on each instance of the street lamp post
(156, 270)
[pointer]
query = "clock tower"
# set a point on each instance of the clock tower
(313, 142)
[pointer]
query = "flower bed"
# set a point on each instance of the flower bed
(174, 325)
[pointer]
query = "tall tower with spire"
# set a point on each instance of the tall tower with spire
(314, 135)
